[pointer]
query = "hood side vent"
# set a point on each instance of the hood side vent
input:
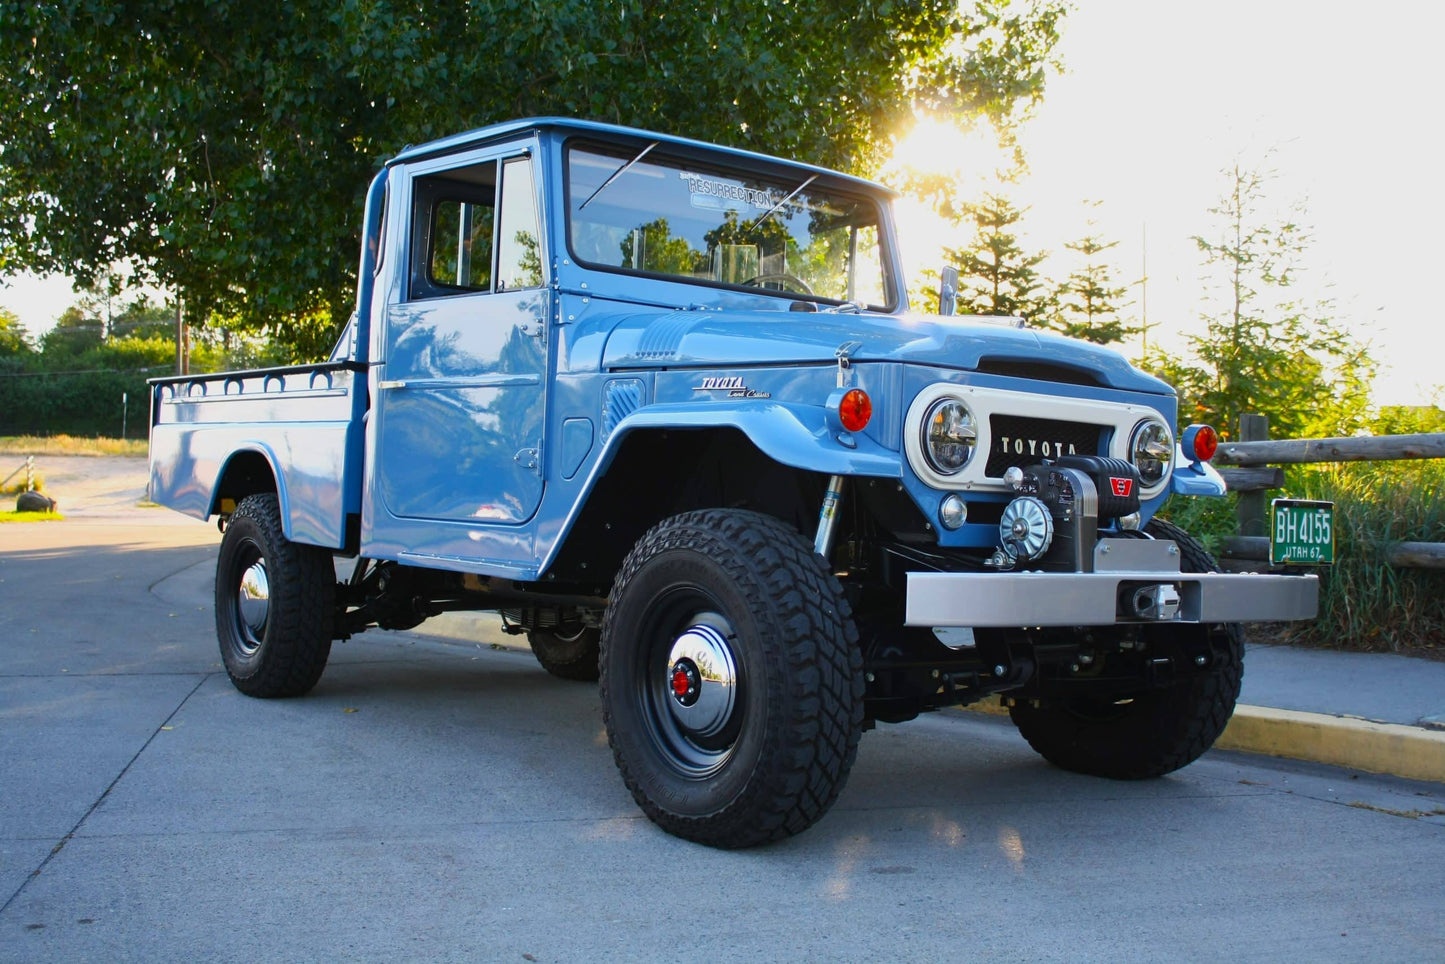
(1037, 371)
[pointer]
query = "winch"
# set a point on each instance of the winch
(1054, 520)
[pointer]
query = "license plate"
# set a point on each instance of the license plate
(1302, 534)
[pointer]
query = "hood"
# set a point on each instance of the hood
(722, 339)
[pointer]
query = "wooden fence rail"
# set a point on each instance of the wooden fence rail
(1250, 467)
(1379, 448)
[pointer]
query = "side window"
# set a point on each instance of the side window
(519, 257)
(471, 233)
(461, 250)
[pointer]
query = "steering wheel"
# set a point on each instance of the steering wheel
(782, 280)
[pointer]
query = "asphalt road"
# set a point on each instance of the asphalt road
(443, 800)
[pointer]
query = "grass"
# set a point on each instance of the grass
(16, 485)
(70, 445)
(1365, 604)
(6, 516)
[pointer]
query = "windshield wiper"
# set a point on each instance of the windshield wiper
(618, 173)
(772, 210)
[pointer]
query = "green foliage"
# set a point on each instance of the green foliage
(14, 339)
(1366, 604)
(1408, 420)
(74, 335)
(82, 393)
(1088, 301)
(1210, 520)
(9, 516)
(1264, 349)
(996, 276)
(84, 383)
(224, 148)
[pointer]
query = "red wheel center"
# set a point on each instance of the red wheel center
(681, 683)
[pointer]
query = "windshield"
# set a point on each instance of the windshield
(640, 212)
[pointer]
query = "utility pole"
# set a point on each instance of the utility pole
(1143, 291)
(183, 341)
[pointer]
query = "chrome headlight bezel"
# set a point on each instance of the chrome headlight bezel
(1151, 450)
(942, 453)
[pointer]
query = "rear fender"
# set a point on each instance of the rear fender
(240, 476)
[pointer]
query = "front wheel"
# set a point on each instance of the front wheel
(1154, 731)
(732, 685)
(274, 600)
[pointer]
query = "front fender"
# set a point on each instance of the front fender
(797, 436)
(793, 435)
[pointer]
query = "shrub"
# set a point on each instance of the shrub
(1366, 603)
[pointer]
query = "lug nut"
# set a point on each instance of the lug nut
(1200, 660)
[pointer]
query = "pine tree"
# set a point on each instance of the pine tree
(1088, 301)
(996, 275)
(1266, 349)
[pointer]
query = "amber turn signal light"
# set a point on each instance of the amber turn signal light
(855, 410)
(1200, 441)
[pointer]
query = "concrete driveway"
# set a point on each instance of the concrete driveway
(439, 799)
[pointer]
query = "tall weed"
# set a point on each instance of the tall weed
(1365, 603)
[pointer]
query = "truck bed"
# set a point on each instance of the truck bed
(212, 436)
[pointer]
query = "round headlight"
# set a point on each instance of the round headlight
(1151, 449)
(949, 435)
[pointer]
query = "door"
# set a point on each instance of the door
(462, 393)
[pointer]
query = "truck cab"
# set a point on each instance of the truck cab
(665, 407)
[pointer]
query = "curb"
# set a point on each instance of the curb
(1343, 741)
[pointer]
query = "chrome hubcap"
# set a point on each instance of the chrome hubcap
(253, 604)
(702, 681)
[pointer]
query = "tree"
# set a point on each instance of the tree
(1266, 349)
(996, 276)
(75, 333)
(14, 339)
(1088, 301)
(224, 149)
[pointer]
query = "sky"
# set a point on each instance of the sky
(1341, 101)
(1158, 97)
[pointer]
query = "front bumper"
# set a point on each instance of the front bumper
(1100, 598)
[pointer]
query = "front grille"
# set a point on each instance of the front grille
(1015, 440)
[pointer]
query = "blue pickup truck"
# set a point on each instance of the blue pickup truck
(664, 407)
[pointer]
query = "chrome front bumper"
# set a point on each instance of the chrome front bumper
(1100, 598)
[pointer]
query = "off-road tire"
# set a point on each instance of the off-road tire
(1162, 729)
(785, 752)
(286, 653)
(568, 652)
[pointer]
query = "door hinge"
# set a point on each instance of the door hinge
(528, 459)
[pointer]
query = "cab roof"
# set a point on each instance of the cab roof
(565, 126)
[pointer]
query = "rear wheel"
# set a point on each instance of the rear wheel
(732, 684)
(274, 602)
(568, 651)
(1156, 730)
